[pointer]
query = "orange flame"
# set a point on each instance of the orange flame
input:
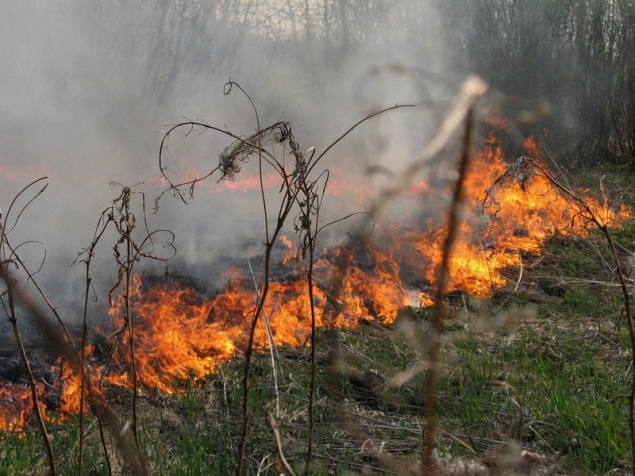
(15, 406)
(179, 334)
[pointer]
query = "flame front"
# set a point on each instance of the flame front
(180, 334)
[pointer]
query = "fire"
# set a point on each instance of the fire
(271, 180)
(72, 388)
(180, 334)
(15, 405)
(511, 211)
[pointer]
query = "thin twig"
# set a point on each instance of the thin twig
(520, 274)
(273, 351)
(276, 433)
(473, 89)
(588, 213)
(13, 318)
(430, 466)
(99, 231)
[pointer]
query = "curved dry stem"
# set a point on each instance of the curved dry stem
(15, 257)
(296, 190)
(29, 202)
(587, 212)
(13, 318)
(313, 162)
(100, 229)
(175, 188)
(68, 353)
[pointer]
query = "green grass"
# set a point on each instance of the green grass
(545, 366)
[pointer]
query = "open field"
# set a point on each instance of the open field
(534, 380)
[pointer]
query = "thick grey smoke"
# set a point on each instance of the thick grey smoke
(88, 86)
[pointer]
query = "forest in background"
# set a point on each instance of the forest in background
(107, 74)
(575, 56)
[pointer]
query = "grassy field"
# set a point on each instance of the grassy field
(534, 380)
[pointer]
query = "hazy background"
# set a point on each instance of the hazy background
(88, 86)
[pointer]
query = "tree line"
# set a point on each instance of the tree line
(576, 55)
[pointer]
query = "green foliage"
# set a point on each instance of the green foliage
(21, 454)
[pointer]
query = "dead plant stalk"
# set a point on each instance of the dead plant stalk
(443, 277)
(9, 257)
(589, 215)
(296, 190)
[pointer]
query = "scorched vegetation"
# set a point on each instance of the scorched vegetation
(497, 339)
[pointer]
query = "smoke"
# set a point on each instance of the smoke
(88, 88)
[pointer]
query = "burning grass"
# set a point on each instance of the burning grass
(546, 377)
(322, 371)
(530, 367)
